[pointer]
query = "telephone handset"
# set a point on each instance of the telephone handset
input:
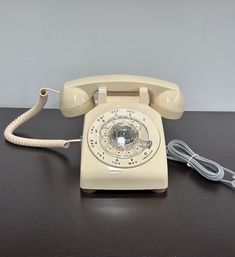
(77, 96)
(123, 144)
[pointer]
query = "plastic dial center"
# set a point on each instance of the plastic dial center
(122, 135)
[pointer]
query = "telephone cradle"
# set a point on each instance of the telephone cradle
(123, 143)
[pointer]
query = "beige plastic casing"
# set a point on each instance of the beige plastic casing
(77, 95)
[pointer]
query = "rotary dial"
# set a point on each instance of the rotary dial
(120, 138)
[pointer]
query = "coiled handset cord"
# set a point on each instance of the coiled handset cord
(176, 150)
(179, 151)
(9, 131)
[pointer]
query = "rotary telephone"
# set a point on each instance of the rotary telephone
(123, 144)
(123, 140)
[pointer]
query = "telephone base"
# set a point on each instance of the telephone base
(113, 172)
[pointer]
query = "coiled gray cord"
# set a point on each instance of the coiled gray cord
(179, 151)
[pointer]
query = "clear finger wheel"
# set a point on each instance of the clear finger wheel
(120, 138)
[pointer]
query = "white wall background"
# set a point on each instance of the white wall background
(189, 42)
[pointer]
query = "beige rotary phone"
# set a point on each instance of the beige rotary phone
(123, 144)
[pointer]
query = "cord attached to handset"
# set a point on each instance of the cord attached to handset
(9, 131)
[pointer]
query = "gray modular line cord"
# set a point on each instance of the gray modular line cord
(179, 151)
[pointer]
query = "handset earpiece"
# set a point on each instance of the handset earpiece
(169, 103)
(74, 101)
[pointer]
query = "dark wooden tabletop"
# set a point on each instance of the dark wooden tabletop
(43, 212)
